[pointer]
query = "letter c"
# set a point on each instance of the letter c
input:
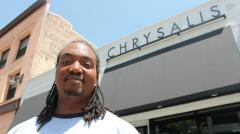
(110, 51)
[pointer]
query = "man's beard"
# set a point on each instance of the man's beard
(72, 93)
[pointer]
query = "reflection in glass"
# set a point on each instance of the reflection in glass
(214, 122)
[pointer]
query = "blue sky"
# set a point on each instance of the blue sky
(105, 21)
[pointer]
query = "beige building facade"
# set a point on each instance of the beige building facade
(28, 47)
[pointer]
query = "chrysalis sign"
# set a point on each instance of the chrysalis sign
(165, 30)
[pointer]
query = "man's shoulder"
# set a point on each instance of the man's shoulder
(28, 124)
(120, 124)
(112, 116)
(31, 121)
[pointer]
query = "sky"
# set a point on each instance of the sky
(104, 21)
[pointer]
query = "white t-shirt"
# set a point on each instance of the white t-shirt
(111, 124)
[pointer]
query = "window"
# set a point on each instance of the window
(4, 58)
(22, 47)
(142, 130)
(224, 120)
(11, 91)
(12, 87)
(183, 124)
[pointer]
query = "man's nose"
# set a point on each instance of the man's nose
(76, 67)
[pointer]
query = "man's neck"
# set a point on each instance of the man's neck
(71, 105)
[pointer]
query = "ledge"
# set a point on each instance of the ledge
(9, 106)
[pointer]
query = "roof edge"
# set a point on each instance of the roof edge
(22, 16)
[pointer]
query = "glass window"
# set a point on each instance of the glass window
(142, 130)
(11, 91)
(12, 88)
(184, 126)
(202, 124)
(22, 47)
(210, 122)
(226, 123)
(4, 58)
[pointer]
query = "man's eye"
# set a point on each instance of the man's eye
(88, 65)
(65, 62)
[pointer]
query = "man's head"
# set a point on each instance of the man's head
(77, 70)
(76, 77)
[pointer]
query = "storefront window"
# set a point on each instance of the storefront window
(142, 130)
(226, 123)
(214, 122)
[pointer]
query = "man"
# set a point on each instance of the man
(74, 105)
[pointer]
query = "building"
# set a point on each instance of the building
(28, 47)
(180, 75)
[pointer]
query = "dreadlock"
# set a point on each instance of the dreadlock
(48, 111)
(95, 108)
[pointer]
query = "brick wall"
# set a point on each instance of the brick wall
(56, 33)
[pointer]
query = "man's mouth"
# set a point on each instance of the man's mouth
(74, 77)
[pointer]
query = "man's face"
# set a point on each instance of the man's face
(76, 71)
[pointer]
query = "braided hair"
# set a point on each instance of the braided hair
(95, 108)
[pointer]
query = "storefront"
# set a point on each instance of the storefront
(180, 76)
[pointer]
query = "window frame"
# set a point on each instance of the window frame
(4, 61)
(22, 46)
(12, 89)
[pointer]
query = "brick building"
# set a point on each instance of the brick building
(28, 47)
